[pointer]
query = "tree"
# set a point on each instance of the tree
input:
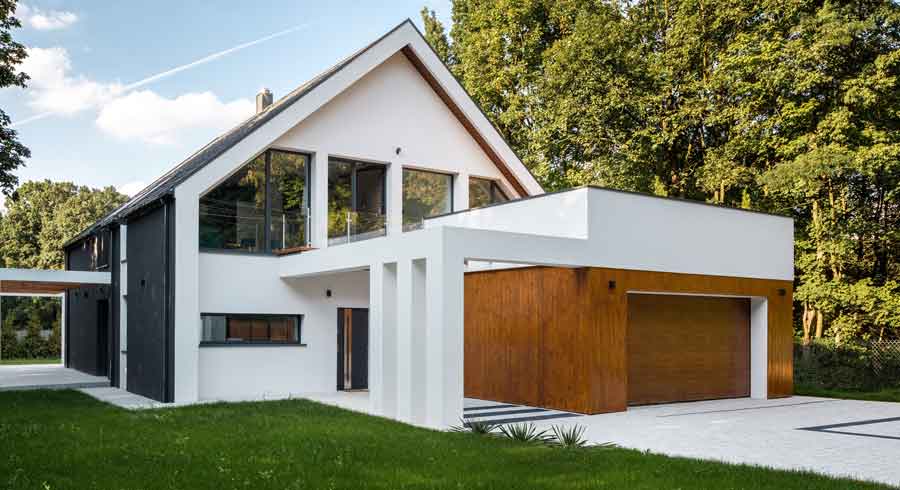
(12, 153)
(787, 107)
(42, 216)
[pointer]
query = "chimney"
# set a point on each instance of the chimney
(263, 100)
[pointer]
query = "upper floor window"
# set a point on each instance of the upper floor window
(485, 191)
(261, 207)
(425, 194)
(356, 200)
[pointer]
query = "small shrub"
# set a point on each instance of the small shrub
(475, 427)
(524, 433)
(827, 365)
(569, 437)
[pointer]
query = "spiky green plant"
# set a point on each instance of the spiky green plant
(475, 427)
(524, 433)
(569, 437)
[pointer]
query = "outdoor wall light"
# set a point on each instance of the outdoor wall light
(327, 293)
(398, 150)
(612, 284)
(782, 292)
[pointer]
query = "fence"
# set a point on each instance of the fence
(885, 355)
(864, 366)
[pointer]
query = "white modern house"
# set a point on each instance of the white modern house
(373, 232)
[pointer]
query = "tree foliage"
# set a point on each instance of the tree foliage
(42, 216)
(12, 153)
(788, 107)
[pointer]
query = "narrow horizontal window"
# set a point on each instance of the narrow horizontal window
(255, 329)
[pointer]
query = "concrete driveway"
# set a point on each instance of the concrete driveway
(851, 438)
(46, 376)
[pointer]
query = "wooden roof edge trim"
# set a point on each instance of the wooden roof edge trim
(465, 121)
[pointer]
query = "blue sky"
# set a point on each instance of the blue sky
(93, 129)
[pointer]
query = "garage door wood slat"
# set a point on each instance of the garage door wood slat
(683, 348)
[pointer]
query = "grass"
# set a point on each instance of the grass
(20, 362)
(885, 395)
(67, 440)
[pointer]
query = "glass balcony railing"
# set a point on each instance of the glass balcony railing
(289, 229)
(353, 226)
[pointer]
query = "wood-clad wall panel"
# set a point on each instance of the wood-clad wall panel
(556, 337)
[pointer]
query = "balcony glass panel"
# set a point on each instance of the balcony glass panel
(425, 194)
(233, 215)
(356, 201)
(290, 199)
(483, 192)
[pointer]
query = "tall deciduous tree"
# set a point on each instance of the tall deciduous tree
(42, 216)
(791, 107)
(12, 153)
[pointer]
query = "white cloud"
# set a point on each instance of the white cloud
(141, 115)
(45, 20)
(131, 188)
(52, 88)
(147, 116)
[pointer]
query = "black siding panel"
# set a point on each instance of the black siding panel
(150, 301)
(115, 267)
(84, 334)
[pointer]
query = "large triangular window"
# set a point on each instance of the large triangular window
(263, 207)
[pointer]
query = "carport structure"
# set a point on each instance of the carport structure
(420, 308)
(54, 283)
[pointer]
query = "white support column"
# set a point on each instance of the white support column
(759, 347)
(418, 331)
(394, 199)
(404, 340)
(461, 191)
(187, 300)
(123, 307)
(62, 327)
(376, 337)
(387, 398)
(444, 344)
(319, 200)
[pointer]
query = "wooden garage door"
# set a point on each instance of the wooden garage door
(684, 348)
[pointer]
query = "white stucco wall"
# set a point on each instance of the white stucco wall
(393, 107)
(639, 232)
(250, 284)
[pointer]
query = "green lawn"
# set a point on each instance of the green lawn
(64, 439)
(18, 362)
(885, 395)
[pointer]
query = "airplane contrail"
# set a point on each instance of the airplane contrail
(207, 59)
(177, 69)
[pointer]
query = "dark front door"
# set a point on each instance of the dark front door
(103, 337)
(353, 349)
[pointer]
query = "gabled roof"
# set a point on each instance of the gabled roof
(520, 177)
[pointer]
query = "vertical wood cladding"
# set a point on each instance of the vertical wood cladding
(557, 338)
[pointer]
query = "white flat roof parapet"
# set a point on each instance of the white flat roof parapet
(585, 227)
(559, 214)
(55, 276)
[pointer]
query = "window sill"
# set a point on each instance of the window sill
(252, 344)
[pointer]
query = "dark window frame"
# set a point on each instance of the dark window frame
(254, 316)
(453, 178)
(267, 248)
